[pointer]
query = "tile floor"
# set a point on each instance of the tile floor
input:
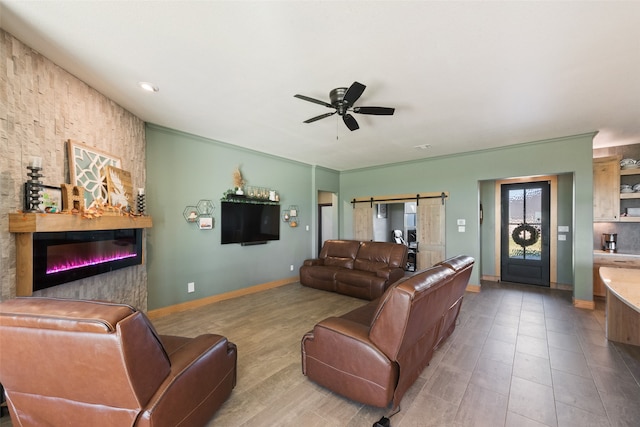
(524, 356)
(520, 356)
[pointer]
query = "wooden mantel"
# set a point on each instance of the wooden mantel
(46, 222)
(25, 224)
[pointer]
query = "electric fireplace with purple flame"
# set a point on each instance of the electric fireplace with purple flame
(60, 257)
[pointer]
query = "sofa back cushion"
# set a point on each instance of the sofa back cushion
(409, 311)
(339, 253)
(373, 256)
(67, 356)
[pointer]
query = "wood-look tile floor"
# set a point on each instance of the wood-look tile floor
(520, 356)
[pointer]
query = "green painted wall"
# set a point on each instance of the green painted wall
(487, 229)
(460, 176)
(183, 169)
(565, 217)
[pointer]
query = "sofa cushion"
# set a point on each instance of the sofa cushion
(375, 255)
(362, 279)
(323, 272)
(339, 253)
(360, 284)
(320, 277)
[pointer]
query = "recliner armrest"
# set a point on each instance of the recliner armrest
(315, 261)
(338, 354)
(344, 344)
(391, 274)
(203, 373)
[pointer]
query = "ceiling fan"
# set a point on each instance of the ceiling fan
(342, 100)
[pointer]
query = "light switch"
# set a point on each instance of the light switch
(563, 229)
(562, 237)
(462, 222)
(461, 228)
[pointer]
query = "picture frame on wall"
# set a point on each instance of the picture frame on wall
(205, 223)
(382, 210)
(50, 196)
(87, 169)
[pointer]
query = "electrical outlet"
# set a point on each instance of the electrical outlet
(191, 287)
(291, 268)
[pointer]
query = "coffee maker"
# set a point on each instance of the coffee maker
(610, 242)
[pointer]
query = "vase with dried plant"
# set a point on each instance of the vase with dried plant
(238, 181)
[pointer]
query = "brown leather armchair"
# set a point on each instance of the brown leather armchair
(374, 353)
(90, 363)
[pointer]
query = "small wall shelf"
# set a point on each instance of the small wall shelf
(238, 198)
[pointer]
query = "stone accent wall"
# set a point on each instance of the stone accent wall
(41, 107)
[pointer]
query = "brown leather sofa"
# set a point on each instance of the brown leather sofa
(359, 269)
(373, 354)
(89, 363)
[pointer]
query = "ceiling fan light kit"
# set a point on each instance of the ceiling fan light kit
(342, 100)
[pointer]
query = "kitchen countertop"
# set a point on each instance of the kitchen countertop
(622, 317)
(624, 283)
(616, 254)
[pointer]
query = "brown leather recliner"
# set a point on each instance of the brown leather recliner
(374, 353)
(89, 363)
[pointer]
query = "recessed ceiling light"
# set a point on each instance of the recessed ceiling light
(423, 147)
(149, 87)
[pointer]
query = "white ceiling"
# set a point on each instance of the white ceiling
(462, 76)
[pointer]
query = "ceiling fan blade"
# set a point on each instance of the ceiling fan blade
(350, 122)
(321, 116)
(353, 93)
(315, 101)
(376, 111)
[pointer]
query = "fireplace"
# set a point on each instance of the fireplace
(60, 257)
(39, 234)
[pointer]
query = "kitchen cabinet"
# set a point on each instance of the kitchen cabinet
(606, 188)
(608, 202)
(629, 200)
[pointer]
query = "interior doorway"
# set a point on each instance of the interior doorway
(327, 217)
(525, 230)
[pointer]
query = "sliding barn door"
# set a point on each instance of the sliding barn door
(363, 222)
(430, 232)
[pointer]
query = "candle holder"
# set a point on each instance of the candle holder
(141, 202)
(34, 188)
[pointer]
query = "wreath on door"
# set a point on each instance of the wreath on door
(520, 233)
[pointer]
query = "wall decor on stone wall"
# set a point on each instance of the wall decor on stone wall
(87, 169)
(119, 188)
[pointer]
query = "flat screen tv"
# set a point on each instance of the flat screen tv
(249, 223)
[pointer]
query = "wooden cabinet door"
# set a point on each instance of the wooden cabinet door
(606, 188)
(430, 229)
(363, 222)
